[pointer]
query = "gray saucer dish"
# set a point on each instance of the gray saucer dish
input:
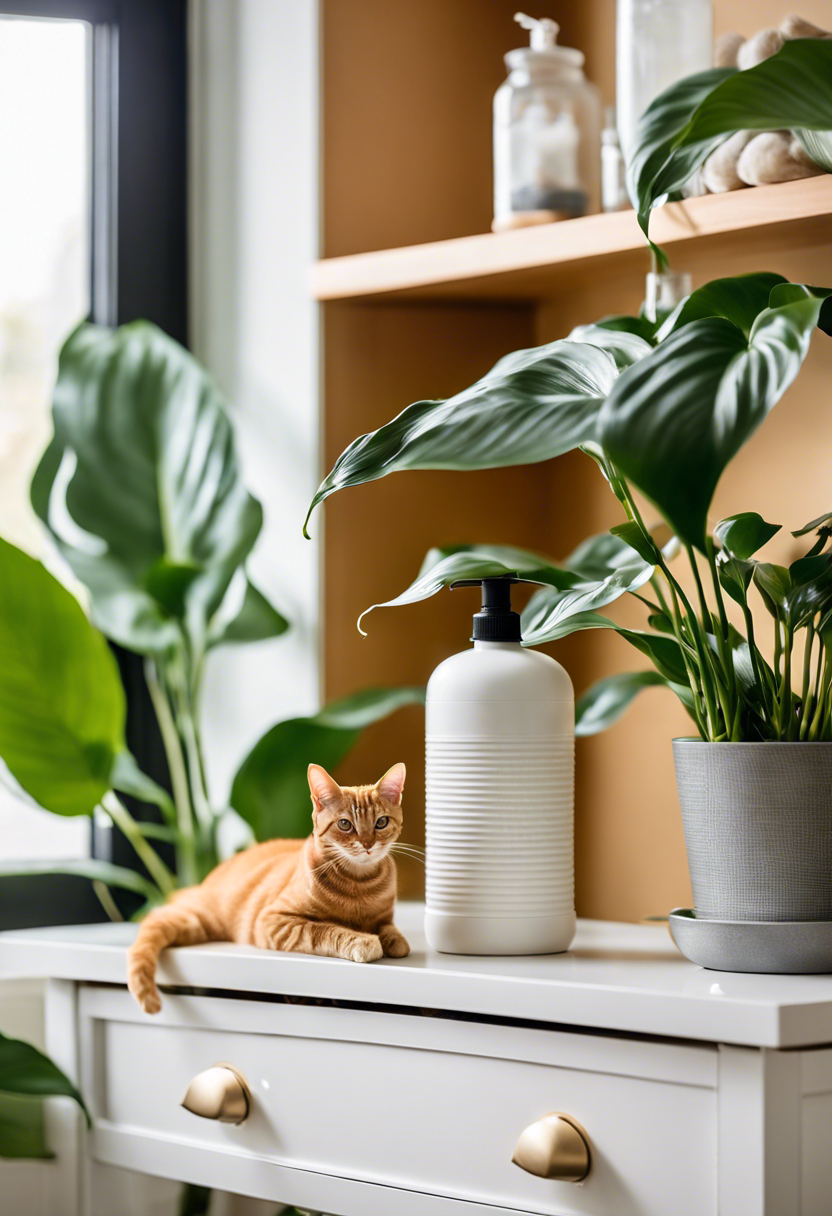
(796, 947)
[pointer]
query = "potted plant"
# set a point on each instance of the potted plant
(141, 491)
(662, 406)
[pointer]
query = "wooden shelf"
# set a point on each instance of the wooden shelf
(533, 263)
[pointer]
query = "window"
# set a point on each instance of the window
(92, 223)
(45, 225)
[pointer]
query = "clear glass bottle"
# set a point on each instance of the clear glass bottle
(657, 42)
(547, 133)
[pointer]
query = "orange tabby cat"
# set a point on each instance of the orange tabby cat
(332, 893)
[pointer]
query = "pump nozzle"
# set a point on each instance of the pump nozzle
(544, 31)
(495, 622)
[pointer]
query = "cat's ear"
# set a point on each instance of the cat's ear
(392, 783)
(321, 785)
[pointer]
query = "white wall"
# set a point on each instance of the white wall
(254, 225)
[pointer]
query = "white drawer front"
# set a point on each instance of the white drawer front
(419, 1103)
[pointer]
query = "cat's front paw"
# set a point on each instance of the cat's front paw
(394, 944)
(364, 949)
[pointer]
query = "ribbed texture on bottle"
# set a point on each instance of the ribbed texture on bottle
(499, 826)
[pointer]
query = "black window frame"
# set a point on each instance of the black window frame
(139, 244)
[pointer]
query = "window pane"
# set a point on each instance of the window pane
(44, 293)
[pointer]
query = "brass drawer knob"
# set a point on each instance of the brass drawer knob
(554, 1147)
(219, 1093)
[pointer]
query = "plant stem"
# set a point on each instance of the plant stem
(755, 661)
(106, 900)
(153, 863)
(786, 685)
(185, 845)
(725, 650)
(807, 675)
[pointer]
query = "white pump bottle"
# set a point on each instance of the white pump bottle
(500, 792)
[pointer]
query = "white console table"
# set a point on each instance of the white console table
(400, 1088)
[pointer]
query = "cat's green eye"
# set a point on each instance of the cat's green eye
(383, 821)
(345, 825)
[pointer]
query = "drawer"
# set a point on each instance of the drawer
(429, 1105)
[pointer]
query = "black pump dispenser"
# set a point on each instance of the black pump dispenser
(495, 622)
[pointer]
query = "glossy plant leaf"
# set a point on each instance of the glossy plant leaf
(740, 300)
(83, 867)
(256, 621)
(270, 791)
(533, 405)
(651, 172)
(679, 130)
(789, 293)
(27, 1072)
(811, 587)
(625, 346)
(743, 534)
(775, 584)
(442, 567)
(61, 701)
(818, 145)
(673, 422)
(822, 523)
(603, 704)
(543, 621)
(22, 1131)
(734, 576)
(140, 485)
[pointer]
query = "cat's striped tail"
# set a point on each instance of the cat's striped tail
(173, 925)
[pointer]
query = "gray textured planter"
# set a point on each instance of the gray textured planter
(758, 828)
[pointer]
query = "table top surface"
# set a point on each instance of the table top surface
(618, 977)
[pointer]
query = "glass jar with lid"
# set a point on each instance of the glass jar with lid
(547, 133)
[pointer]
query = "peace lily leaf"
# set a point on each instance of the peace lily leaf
(554, 605)
(256, 621)
(649, 181)
(22, 1133)
(625, 346)
(25, 1071)
(811, 587)
(679, 130)
(604, 703)
(270, 790)
(740, 300)
(673, 421)
(541, 622)
(633, 536)
(742, 535)
(442, 567)
(632, 325)
(83, 867)
(597, 556)
(61, 700)
(818, 144)
(774, 583)
(822, 523)
(154, 518)
(533, 405)
(788, 293)
(734, 576)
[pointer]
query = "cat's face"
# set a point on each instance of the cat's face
(357, 824)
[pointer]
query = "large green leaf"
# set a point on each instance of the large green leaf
(61, 700)
(818, 144)
(743, 534)
(22, 1133)
(673, 421)
(532, 405)
(141, 487)
(740, 299)
(27, 1072)
(83, 867)
(544, 620)
(270, 790)
(649, 180)
(604, 703)
(792, 89)
(441, 567)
